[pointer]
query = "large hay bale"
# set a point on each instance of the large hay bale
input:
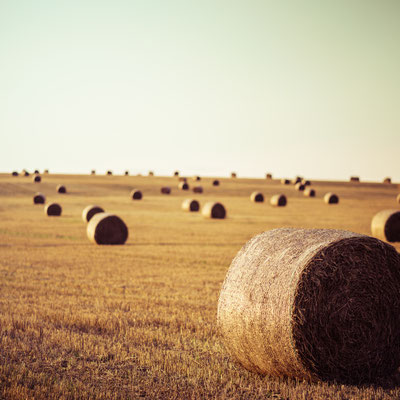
(39, 198)
(105, 228)
(61, 189)
(90, 211)
(331, 198)
(37, 179)
(313, 304)
(278, 200)
(385, 225)
(308, 192)
(14, 173)
(165, 190)
(53, 210)
(285, 181)
(257, 197)
(387, 180)
(299, 186)
(183, 186)
(190, 205)
(136, 194)
(354, 179)
(213, 210)
(233, 175)
(215, 182)
(198, 189)
(268, 176)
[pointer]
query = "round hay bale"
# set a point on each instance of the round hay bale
(305, 182)
(36, 171)
(299, 186)
(93, 172)
(278, 200)
(90, 211)
(26, 173)
(14, 173)
(53, 210)
(398, 198)
(331, 198)
(313, 304)
(308, 192)
(385, 225)
(109, 173)
(297, 180)
(126, 173)
(190, 205)
(285, 181)
(215, 182)
(151, 173)
(46, 171)
(233, 175)
(196, 178)
(268, 176)
(136, 194)
(354, 179)
(61, 189)
(37, 179)
(165, 190)
(387, 180)
(257, 197)
(39, 198)
(176, 173)
(105, 228)
(213, 210)
(198, 189)
(183, 186)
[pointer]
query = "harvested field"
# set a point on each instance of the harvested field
(79, 320)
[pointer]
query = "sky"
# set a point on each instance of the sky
(207, 87)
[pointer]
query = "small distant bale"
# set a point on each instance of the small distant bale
(299, 186)
(198, 189)
(26, 173)
(285, 181)
(39, 198)
(15, 173)
(215, 182)
(61, 189)
(305, 182)
(257, 197)
(385, 225)
(126, 173)
(214, 210)
(93, 172)
(36, 171)
(268, 176)
(151, 173)
(387, 180)
(233, 175)
(297, 180)
(105, 228)
(313, 304)
(46, 171)
(278, 200)
(190, 205)
(136, 194)
(354, 179)
(53, 210)
(196, 178)
(37, 179)
(165, 190)
(308, 192)
(183, 186)
(109, 173)
(331, 198)
(176, 173)
(90, 211)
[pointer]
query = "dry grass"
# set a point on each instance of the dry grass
(139, 320)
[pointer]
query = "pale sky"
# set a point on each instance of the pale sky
(207, 87)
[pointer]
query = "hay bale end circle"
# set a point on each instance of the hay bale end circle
(37, 179)
(105, 228)
(257, 197)
(278, 200)
(190, 205)
(53, 210)
(385, 225)
(136, 194)
(331, 198)
(61, 189)
(213, 210)
(308, 192)
(215, 182)
(90, 211)
(183, 186)
(39, 198)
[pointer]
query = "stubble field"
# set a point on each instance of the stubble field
(83, 321)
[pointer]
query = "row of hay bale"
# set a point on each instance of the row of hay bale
(210, 209)
(281, 200)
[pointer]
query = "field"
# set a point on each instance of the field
(139, 321)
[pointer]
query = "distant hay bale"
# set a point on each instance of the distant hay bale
(151, 173)
(305, 182)
(215, 182)
(37, 179)
(90, 211)
(385, 225)
(257, 197)
(196, 178)
(136, 194)
(268, 176)
(198, 189)
(36, 171)
(297, 180)
(15, 173)
(165, 190)
(398, 198)
(183, 186)
(93, 172)
(299, 186)
(61, 189)
(354, 179)
(278, 200)
(214, 210)
(176, 173)
(53, 210)
(190, 205)
(313, 304)
(285, 181)
(308, 192)
(109, 173)
(387, 180)
(331, 198)
(126, 173)
(233, 175)
(26, 173)
(46, 171)
(39, 198)
(105, 228)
